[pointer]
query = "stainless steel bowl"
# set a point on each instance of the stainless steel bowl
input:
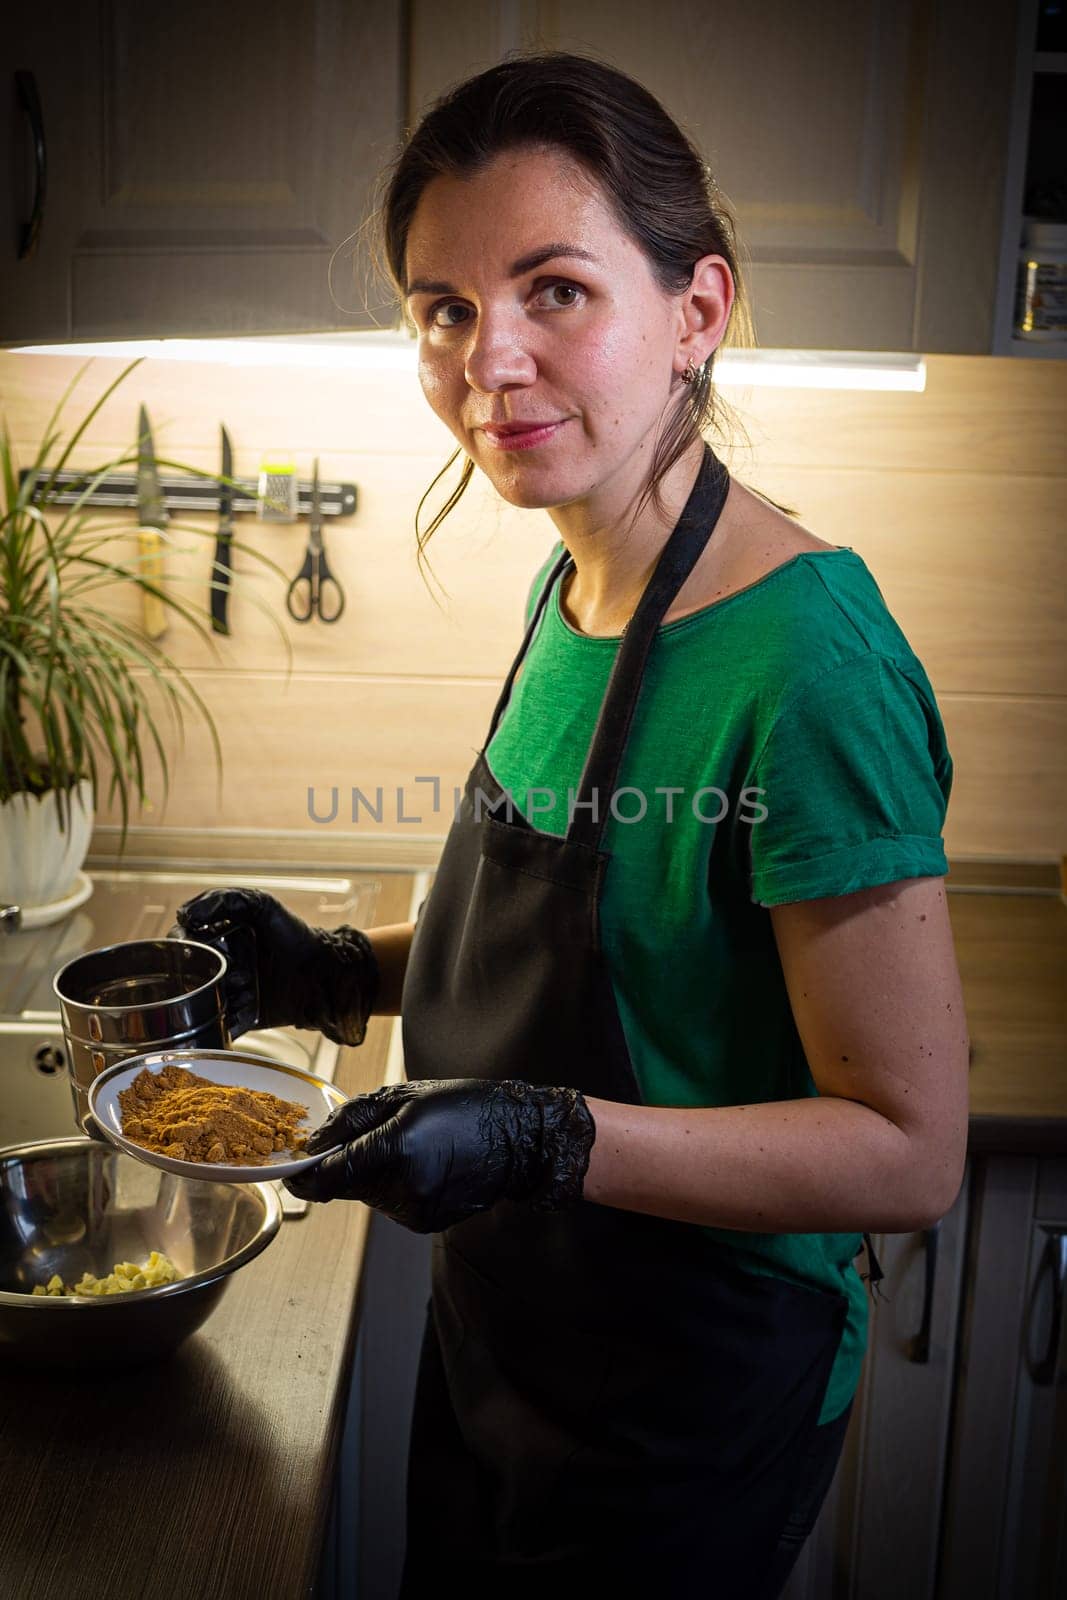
(70, 1206)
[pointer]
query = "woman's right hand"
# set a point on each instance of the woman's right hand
(281, 972)
(430, 1154)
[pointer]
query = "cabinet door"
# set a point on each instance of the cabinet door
(220, 155)
(877, 1537)
(365, 1540)
(1007, 1497)
(1034, 1559)
(41, 88)
(861, 144)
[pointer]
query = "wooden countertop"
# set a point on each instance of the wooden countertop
(1011, 944)
(207, 1477)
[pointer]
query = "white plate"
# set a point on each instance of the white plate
(44, 916)
(230, 1067)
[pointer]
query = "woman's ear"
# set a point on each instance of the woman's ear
(706, 306)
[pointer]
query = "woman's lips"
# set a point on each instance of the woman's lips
(523, 438)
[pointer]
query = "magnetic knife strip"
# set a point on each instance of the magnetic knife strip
(192, 494)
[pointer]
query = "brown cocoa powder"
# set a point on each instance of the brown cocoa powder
(179, 1114)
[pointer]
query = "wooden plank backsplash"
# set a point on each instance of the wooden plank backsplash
(954, 498)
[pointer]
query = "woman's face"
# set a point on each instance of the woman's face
(534, 307)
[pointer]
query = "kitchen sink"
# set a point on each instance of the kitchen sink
(35, 1091)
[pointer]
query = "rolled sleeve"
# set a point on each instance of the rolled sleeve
(855, 778)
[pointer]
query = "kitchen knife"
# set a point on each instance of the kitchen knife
(220, 572)
(152, 516)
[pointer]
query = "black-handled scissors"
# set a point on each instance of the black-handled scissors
(315, 573)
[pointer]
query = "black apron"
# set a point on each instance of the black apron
(602, 1396)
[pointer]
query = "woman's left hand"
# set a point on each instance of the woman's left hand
(430, 1153)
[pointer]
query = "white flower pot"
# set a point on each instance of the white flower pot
(38, 863)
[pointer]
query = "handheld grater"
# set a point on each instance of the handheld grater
(278, 497)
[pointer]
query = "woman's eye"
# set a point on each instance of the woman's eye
(444, 305)
(570, 289)
(555, 296)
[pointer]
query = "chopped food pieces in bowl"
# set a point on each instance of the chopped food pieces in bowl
(124, 1278)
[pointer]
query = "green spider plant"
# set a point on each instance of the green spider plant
(74, 680)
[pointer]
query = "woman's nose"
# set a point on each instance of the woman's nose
(497, 356)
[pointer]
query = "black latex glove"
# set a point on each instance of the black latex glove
(431, 1153)
(282, 973)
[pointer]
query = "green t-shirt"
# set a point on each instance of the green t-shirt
(801, 686)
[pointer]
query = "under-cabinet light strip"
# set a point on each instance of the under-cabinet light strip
(744, 369)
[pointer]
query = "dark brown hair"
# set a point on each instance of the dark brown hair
(658, 187)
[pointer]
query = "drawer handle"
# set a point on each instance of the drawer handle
(919, 1350)
(1055, 1263)
(30, 101)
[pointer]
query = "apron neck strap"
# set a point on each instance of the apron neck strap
(505, 694)
(677, 560)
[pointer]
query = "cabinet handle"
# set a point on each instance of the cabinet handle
(919, 1351)
(30, 102)
(1055, 1262)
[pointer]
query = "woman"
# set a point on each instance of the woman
(681, 1013)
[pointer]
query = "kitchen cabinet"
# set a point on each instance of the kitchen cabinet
(953, 1479)
(878, 1535)
(861, 147)
(1036, 182)
(363, 1550)
(1006, 1522)
(201, 166)
(205, 162)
